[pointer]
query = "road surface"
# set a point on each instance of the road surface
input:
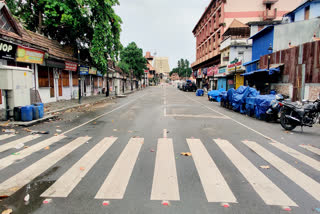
(125, 157)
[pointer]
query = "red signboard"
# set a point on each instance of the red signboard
(146, 71)
(210, 72)
(235, 64)
(70, 66)
(216, 70)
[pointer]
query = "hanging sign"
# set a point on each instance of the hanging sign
(93, 70)
(7, 50)
(29, 55)
(84, 70)
(70, 66)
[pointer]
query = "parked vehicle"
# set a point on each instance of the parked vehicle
(293, 115)
(273, 113)
(189, 86)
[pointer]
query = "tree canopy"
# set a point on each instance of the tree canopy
(90, 25)
(183, 69)
(132, 56)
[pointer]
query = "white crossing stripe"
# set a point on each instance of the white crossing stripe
(69, 180)
(267, 190)
(16, 182)
(116, 183)
(214, 185)
(305, 182)
(17, 142)
(165, 181)
(6, 136)
(7, 161)
(298, 155)
(311, 149)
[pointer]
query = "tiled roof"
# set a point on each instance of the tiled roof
(237, 24)
(41, 42)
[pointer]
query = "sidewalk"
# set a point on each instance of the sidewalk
(51, 108)
(63, 105)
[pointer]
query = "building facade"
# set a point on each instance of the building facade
(161, 66)
(219, 15)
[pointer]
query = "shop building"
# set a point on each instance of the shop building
(53, 66)
(219, 15)
(234, 49)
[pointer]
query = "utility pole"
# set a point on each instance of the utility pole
(79, 77)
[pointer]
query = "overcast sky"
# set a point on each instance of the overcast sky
(162, 26)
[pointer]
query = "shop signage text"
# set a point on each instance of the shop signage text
(29, 55)
(84, 70)
(70, 66)
(7, 50)
(93, 70)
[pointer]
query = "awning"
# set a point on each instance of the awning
(271, 71)
(250, 62)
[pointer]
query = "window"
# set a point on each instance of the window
(268, 6)
(43, 76)
(306, 13)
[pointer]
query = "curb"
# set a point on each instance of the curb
(90, 103)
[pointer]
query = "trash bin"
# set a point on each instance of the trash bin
(36, 113)
(27, 113)
(17, 113)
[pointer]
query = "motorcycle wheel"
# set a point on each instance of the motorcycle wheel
(285, 123)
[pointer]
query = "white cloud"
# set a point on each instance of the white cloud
(164, 26)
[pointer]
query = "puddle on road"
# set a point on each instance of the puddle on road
(34, 189)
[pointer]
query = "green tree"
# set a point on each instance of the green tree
(132, 55)
(183, 68)
(124, 67)
(91, 24)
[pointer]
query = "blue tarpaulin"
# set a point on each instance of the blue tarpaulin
(215, 94)
(200, 92)
(239, 97)
(262, 104)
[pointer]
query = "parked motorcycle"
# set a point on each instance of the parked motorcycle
(293, 115)
(273, 113)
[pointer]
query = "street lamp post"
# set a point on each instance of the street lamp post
(131, 80)
(108, 90)
(270, 50)
(79, 77)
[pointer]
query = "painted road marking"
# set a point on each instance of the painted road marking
(196, 116)
(69, 180)
(257, 132)
(267, 190)
(102, 115)
(6, 136)
(7, 161)
(16, 182)
(165, 181)
(14, 143)
(116, 183)
(298, 155)
(311, 149)
(164, 133)
(305, 182)
(214, 185)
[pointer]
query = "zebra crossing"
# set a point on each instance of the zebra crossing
(165, 181)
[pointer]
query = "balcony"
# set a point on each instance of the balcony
(270, 14)
(269, 1)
